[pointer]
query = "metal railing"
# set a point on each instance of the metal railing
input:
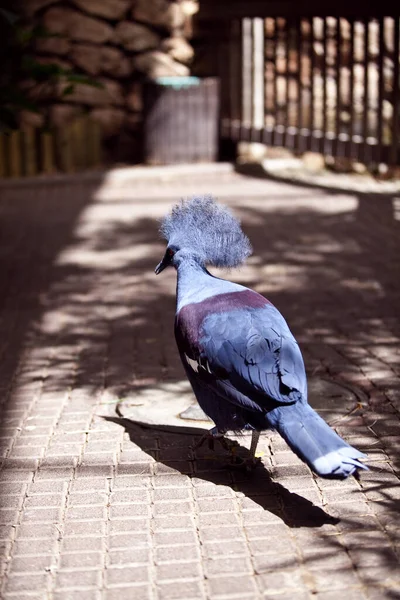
(323, 84)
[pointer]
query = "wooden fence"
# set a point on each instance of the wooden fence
(325, 84)
(32, 151)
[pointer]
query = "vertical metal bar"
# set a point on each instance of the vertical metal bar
(394, 158)
(324, 91)
(263, 78)
(378, 154)
(270, 87)
(351, 153)
(264, 138)
(258, 79)
(338, 107)
(287, 82)
(365, 151)
(235, 79)
(252, 78)
(247, 79)
(311, 123)
(299, 144)
(224, 70)
(240, 80)
(275, 140)
(235, 88)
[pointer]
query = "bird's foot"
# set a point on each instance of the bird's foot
(211, 437)
(244, 464)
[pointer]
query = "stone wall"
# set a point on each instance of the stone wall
(118, 43)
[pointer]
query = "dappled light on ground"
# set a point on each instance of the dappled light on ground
(86, 327)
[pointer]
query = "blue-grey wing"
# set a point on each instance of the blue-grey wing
(253, 354)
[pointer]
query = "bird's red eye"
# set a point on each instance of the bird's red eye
(170, 252)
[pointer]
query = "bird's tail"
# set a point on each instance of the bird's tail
(315, 442)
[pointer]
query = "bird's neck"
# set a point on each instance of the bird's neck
(192, 283)
(195, 283)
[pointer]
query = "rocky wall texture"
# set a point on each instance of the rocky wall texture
(117, 43)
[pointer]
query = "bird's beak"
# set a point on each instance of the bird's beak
(166, 261)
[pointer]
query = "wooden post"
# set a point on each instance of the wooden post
(78, 143)
(14, 153)
(64, 149)
(3, 166)
(47, 152)
(94, 154)
(29, 147)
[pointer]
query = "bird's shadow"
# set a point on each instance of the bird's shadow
(171, 446)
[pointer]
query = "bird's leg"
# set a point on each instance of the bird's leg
(211, 436)
(252, 461)
(255, 436)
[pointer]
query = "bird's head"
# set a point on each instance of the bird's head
(203, 230)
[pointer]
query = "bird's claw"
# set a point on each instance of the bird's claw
(244, 464)
(235, 461)
(211, 437)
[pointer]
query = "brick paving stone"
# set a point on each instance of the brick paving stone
(178, 571)
(87, 499)
(74, 560)
(129, 540)
(77, 594)
(230, 585)
(19, 582)
(91, 508)
(121, 511)
(128, 556)
(351, 594)
(78, 579)
(126, 575)
(167, 554)
(82, 544)
(141, 592)
(274, 562)
(83, 528)
(217, 566)
(171, 522)
(31, 564)
(191, 590)
(123, 525)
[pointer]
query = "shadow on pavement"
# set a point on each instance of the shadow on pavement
(292, 508)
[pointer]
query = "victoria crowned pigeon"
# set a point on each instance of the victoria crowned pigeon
(242, 361)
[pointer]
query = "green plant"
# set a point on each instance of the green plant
(24, 80)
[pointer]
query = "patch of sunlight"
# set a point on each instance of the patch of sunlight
(158, 404)
(396, 209)
(312, 201)
(244, 274)
(53, 321)
(281, 277)
(370, 285)
(303, 257)
(331, 247)
(106, 260)
(123, 177)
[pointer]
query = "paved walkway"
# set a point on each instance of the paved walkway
(96, 507)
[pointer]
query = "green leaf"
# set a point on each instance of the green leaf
(23, 35)
(42, 71)
(69, 90)
(77, 78)
(39, 32)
